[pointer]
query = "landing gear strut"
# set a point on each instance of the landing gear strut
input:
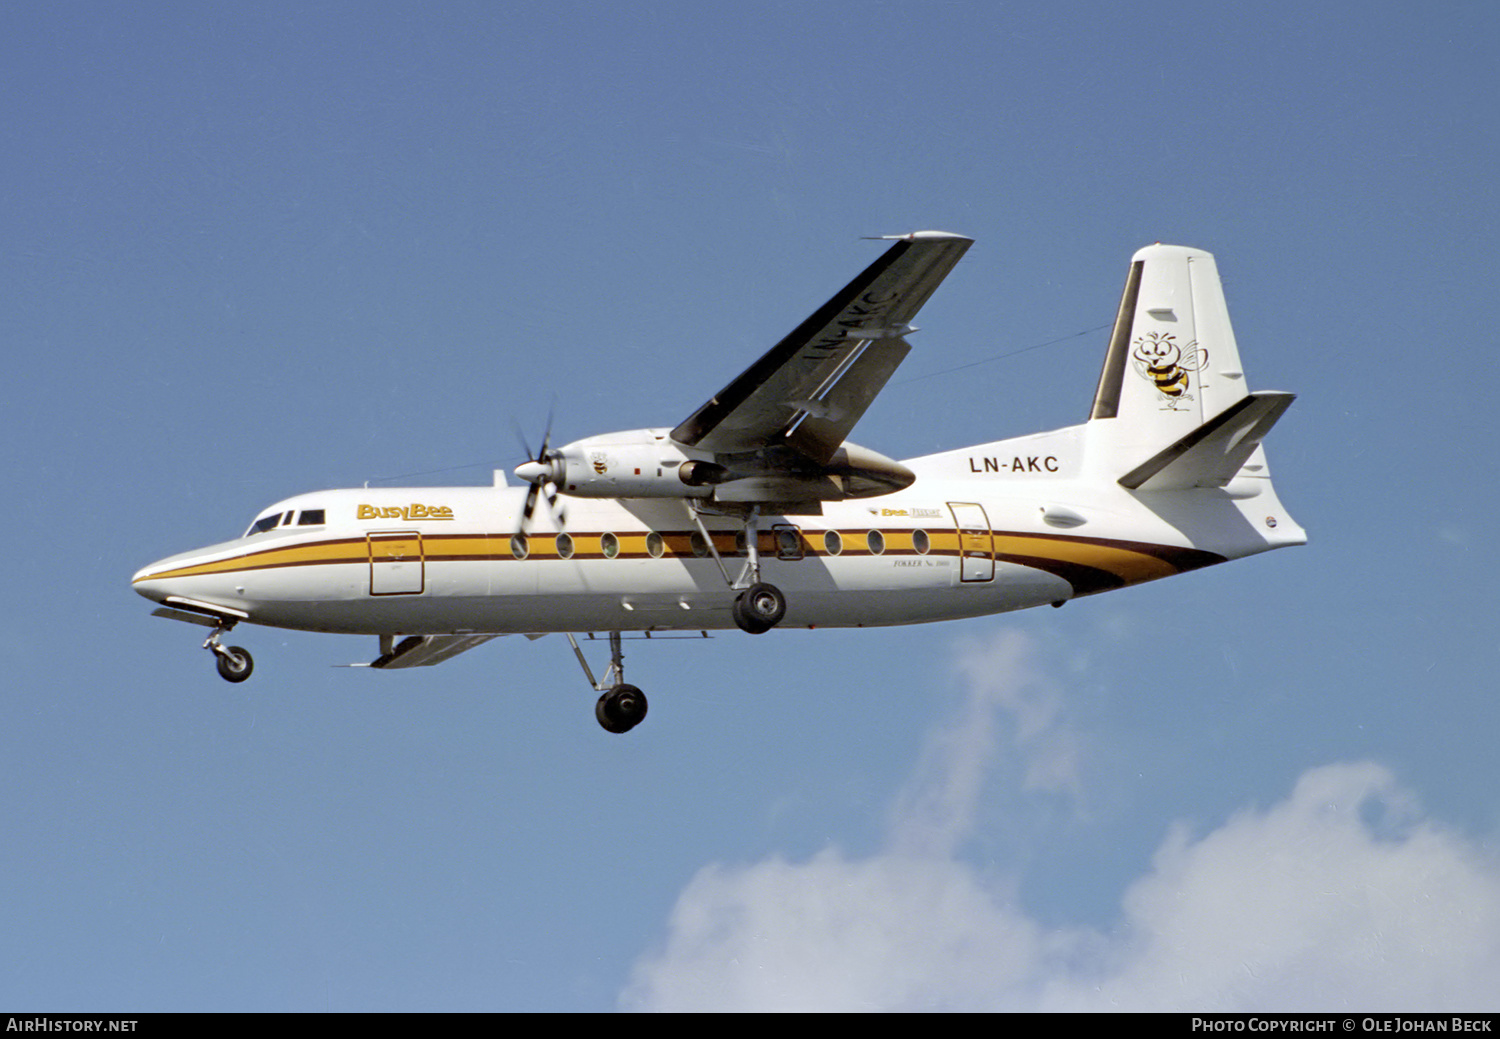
(621, 707)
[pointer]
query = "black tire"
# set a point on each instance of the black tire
(759, 608)
(235, 664)
(745, 622)
(621, 709)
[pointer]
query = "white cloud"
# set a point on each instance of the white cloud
(1342, 896)
(1010, 705)
(831, 934)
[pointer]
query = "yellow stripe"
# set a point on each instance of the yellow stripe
(944, 543)
(1127, 564)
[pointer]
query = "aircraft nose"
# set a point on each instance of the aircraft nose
(144, 585)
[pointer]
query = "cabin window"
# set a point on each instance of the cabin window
(655, 545)
(921, 542)
(833, 543)
(565, 546)
(311, 518)
(699, 543)
(609, 545)
(876, 542)
(518, 546)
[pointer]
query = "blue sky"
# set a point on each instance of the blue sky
(249, 254)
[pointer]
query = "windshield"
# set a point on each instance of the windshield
(305, 518)
(264, 524)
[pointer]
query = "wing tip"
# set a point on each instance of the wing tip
(920, 236)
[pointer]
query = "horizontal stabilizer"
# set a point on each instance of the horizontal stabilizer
(1212, 454)
(425, 650)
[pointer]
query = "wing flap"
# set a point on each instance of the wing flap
(810, 389)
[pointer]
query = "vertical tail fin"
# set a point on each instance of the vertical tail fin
(1172, 363)
(1172, 356)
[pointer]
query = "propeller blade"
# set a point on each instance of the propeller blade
(538, 471)
(526, 510)
(515, 428)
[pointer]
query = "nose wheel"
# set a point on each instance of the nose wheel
(234, 662)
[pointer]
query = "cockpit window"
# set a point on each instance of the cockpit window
(306, 518)
(264, 524)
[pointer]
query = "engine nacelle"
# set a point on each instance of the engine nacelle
(640, 463)
(648, 463)
(863, 473)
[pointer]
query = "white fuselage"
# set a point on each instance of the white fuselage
(983, 530)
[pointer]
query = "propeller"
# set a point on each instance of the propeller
(543, 471)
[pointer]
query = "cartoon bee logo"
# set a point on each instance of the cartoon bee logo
(1157, 356)
(600, 461)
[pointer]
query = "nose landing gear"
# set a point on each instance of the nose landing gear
(234, 662)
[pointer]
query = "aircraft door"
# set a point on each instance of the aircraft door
(976, 544)
(396, 564)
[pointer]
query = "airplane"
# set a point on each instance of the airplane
(757, 512)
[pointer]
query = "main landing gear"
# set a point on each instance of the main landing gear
(621, 707)
(760, 606)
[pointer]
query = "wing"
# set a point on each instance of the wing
(810, 389)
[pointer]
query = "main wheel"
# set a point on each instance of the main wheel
(235, 664)
(621, 709)
(759, 608)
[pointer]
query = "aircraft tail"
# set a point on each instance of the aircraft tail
(1172, 409)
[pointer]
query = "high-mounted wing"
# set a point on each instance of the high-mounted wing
(809, 390)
